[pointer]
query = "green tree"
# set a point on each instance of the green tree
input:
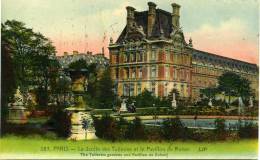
(62, 89)
(234, 85)
(136, 130)
(177, 95)
(104, 91)
(173, 129)
(78, 65)
(209, 92)
(32, 55)
(244, 90)
(220, 131)
(8, 82)
(145, 99)
(46, 74)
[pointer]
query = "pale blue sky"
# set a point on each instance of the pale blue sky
(82, 24)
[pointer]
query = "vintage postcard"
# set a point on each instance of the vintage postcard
(129, 79)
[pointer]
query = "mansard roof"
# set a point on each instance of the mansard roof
(163, 24)
(210, 58)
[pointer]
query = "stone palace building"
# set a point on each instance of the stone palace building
(151, 52)
(99, 59)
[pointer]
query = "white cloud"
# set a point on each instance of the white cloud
(231, 38)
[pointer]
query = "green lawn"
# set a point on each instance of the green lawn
(38, 147)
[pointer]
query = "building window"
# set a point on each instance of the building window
(174, 74)
(153, 88)
(139, 88)
(153, 55)
(127, 57)
(127, 72)
(133, 72)
(153, 74)
(182, 90)
(167, 55)
(117, 73)
(166, 90)
(133, 57)
(140, 57)
(167, 72)
(187, 75)
(125, 90)
(140, 72)
(131, 89)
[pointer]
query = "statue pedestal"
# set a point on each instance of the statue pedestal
(82, 126)
(17, 114)
(174, 104)
(16, 110)
(123, 107)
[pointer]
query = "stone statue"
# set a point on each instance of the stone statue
(240, 105)
(251, 103)
(18, 97)
(174, 103)
(210, 102)
(123, 107)
(16, 110)
(111, 40)
(190, 42)
(86, 85)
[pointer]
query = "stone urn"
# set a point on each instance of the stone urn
(81, 121)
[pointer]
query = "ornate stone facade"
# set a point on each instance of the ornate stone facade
(151, 52)
(207, 67)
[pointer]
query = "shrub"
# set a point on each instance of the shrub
(60, 121)
(173, 129)
(201, 135)
(247, 130)
(136, 130)
(220, 131)
(21, 129)
(106, 128)
(50, 135)
(122, 126)
(145, 99)
(153, 134)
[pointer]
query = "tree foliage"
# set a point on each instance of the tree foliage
(209, 92)
(8, 82)
(32, 56)
(177, 95)
(105, 95)
(145, 99)
(173, 129)
(78, 65)
(234, 85)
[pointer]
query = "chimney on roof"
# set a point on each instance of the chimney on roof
(176, 15)
(151, 18)
(75, 52)
(103, 51)
(130, 16)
